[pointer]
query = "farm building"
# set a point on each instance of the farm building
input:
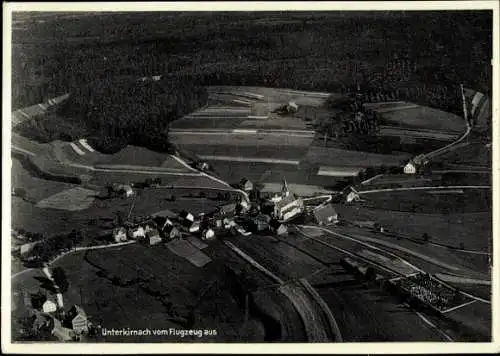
(351, 195)
(228, 210)
(246, 185)
(120, 234)
(278, 228)
(325, 215)
(62, 333)
(79, 319)
(410, 168)
(26, 249)
(170, 232)
(153, 237)
(208, 234)
(49, 306)
(186, 217)
(137, 233)
(124, 190)
(195, 226)
(261, 222)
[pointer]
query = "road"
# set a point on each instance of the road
(320, 325)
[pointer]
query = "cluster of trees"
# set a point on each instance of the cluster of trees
(113, 113)
(52, 247)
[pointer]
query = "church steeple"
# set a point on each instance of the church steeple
(284, 190)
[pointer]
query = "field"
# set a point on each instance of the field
(73, 199)
(474, 230)
(425, 118)
(345, 158)
(139, 287)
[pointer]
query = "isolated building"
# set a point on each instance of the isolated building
(120, 234)
(79, 319)
(124, 190)
(410, 168)
(325, 215)
(292, 107)
(246, 185)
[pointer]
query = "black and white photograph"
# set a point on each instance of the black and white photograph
(257, 175)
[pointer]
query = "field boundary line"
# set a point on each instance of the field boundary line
(253, 262)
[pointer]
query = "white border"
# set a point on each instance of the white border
(345, 348)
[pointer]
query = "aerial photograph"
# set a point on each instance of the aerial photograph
(251, 176)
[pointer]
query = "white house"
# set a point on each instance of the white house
(49, 307)
(120, 234)
(195, 227)
(137, 232)
(208, 234)
(410, 168)
(325, 215)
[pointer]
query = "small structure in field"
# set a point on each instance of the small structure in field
(325, 215)
(410, 168)
(79, 319)
(124, 190)
(208, 234)
(246, 185)
(120, 234)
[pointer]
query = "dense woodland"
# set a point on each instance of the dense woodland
(116, 112)
(326, 51)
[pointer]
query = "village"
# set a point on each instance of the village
(259, 215)
(46, 315)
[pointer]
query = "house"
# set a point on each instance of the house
(246, 185)
(153, 237)
(120, 234)
(208, 234)
(186, 217)
(79, 319)
(351, 195)
(261, 222)
(62, 333)
(49, 306)
(325, 215)
(195, 227)
(278, 228)
(292, 107)
(228, 210)
(137, 233)
(410, 168)
(124, 190)
(170, 232)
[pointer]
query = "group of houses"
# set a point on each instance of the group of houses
(49, 317)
